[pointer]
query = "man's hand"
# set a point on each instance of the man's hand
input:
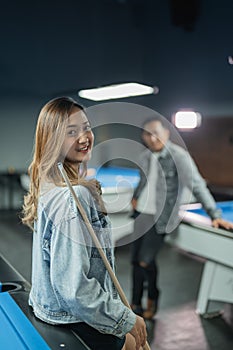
(134, 203)
(218, 223)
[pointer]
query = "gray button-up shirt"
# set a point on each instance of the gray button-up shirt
(176, 171)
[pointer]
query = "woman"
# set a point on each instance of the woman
(70, 284)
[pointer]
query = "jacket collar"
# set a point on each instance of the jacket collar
(165, 151)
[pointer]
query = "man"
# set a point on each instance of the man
(166, 169)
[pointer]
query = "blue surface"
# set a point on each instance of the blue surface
(116, 176)
(16, 331)
(226, 208)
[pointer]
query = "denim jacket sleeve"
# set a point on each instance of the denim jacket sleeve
(78, 276)
(203, 195)
(192, 178)
(143, 165)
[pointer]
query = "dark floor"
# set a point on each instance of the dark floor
(176, 326)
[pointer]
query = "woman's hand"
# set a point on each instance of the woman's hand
(139, 332)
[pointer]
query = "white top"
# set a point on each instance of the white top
(146, 202)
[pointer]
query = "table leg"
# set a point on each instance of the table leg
(205, 287)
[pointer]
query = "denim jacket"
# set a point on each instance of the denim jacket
(69, 280)
(176, 171)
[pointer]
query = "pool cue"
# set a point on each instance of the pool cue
(96, 241)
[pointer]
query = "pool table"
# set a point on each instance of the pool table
(19, 328)
(115, 178)
(118, 184)
(196, 235)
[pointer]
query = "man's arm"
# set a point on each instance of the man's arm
(204, 196)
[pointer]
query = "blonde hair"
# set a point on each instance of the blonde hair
(49, 138)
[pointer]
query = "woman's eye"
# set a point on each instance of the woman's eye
(72, 132)
(87, 128)
(75, 132)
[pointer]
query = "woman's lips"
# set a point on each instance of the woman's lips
(83, 149)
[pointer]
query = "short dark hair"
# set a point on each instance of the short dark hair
(153, 118)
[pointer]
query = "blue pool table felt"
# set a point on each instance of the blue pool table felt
(226, 208)
(116, 176)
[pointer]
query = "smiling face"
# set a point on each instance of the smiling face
(79, 138)
(155, 135)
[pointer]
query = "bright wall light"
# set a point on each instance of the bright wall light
(186, 119)
(117, 91)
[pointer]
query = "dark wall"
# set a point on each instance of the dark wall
(49, 48)
(211, 145)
